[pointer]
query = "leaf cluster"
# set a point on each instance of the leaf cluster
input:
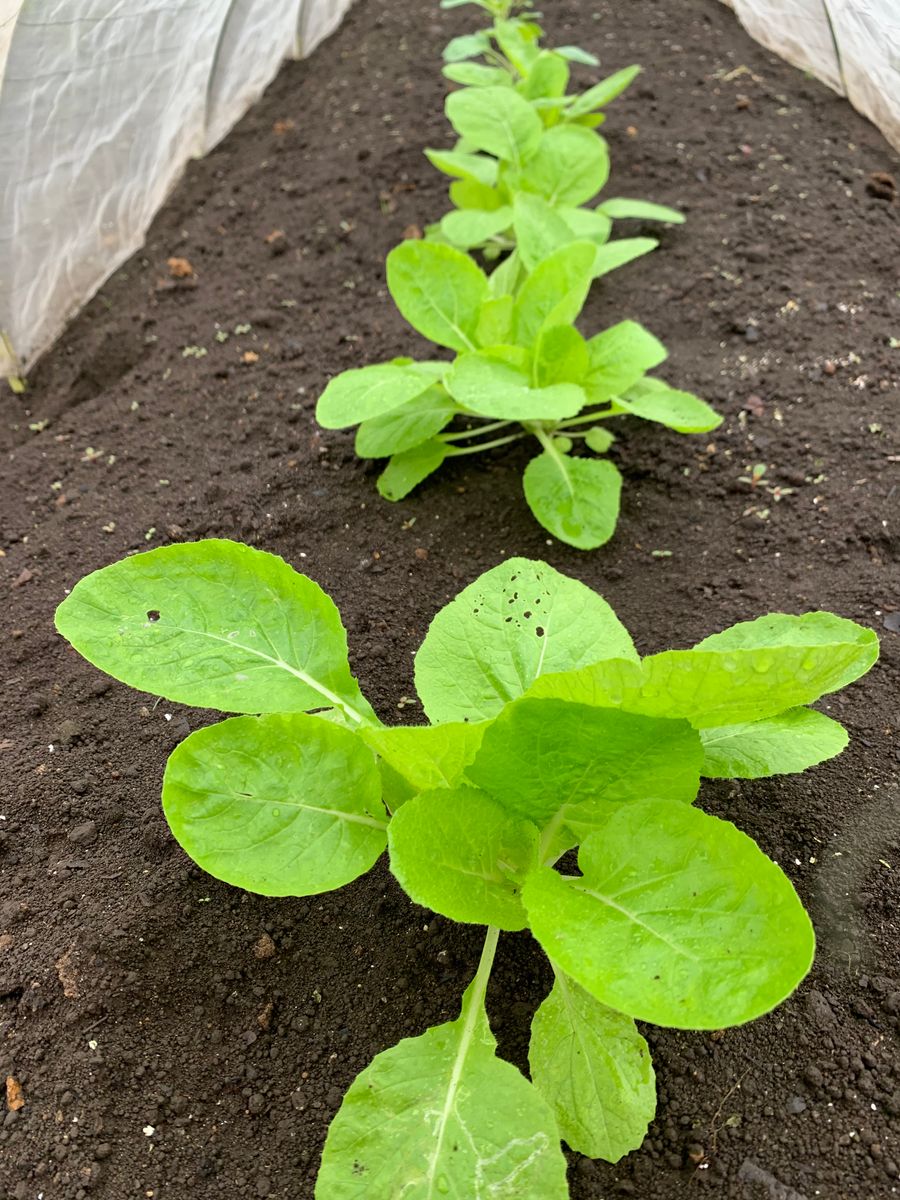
(523, 369)
(548, 733)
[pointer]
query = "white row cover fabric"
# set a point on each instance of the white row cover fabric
(852, 45)
(102, 103)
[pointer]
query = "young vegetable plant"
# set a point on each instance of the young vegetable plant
(526, 155)
(518, 184)
(548, 732)
(522, 369)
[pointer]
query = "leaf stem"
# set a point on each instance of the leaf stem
(458, 450)
(469, 433)
(547, 442)
(602, 415)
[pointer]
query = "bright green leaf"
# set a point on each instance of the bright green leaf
(408, 426)
(497, 120)
(598, 439)
(486, 384)
(468, 45)
(437, 289)
(569, 166)
(594, 1068)
(465, 1124)
(654, 400)
(577, 55)
(678, 918)
(620, 208)
(504, 280)
(585, 224)
(548, 77)
(517, 621)
(539, 229)
(367, 392)
(283, 805)
(460, 853)
(467, 227)
(472, 74)
(427, 756)
(555, 291)
(623, 250)
(407, 469)
(477, 167)
(792, 741)
(602, 93)
(560, 356)
(215, 624)
(575, 499)
(619, 357)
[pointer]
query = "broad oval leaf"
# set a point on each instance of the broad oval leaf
(677, 918)
(599, 439)
(477, 75)
(560, 356)
(653, 400)
(407, 426)
(780, 745)
(282, 805)
(215, 624)
(486, 384)
(520, 620)
(575, 499)
(547, 78)
(552, 760)
(407, 469)
(569, 166)
(540, 230)
(467, 45)
(497, 120)
(554, 292)
(439, 290)
(460, 853)
(463, 1124)
(427, 756)
(595, 1070)
(455, 163)
(467, 227)
(619, 357)
(586, 224)
(367, 392)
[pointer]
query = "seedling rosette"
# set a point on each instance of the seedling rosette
(521, 370)
(547, 733)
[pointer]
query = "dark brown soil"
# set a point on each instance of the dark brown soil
(176, 1038)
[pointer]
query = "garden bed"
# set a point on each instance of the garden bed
(175, 1037)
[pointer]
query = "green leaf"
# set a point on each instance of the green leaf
(407, 426)
(472, 74)
(460, 854)
(495, 321)
(366, 392)
(217, 625)
(594, 1068)
(539, 229)
(469, 193)
(575, 499)
(283, 805)
(577, 55)
(814, 629)
(654, 400)
(792, 741)
(548, 760)
(548, 77)
(623, 250)
(555, 291)
(602, 93)
(469, 227)
(407, 469)
(517, 41)
(560, 356)
(569, 166)
(517, 621)
(477, 167)
(467, 1124)
(609, 683)
(469, 45)
(620, 208)
(598, 439)
(586, 224)
(497, 120)
(439, 290)
(486, 384)
(678, 918)
(504, 280)
(619, 357)
(427, 756)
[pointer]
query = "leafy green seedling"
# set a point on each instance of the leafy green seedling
(521, 369)
(519, 184)
(548, 732)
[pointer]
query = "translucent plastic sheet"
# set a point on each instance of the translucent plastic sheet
(852, 45)
(102, 102)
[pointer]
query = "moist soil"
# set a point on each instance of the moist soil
(174, 1037)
